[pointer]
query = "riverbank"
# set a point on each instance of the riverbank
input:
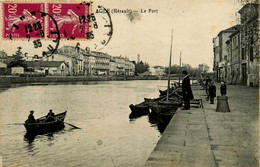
(54, 79)
(5, 80)
(204, 137)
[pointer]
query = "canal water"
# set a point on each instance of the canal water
(101, 109)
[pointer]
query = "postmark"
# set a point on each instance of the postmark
(46, 24)
(56, 42)
(22, 19)
(72, 19)
(105, 27)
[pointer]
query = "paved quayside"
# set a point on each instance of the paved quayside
(203, 137)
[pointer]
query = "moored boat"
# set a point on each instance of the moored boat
(139, 107)
(42, 127)
(139, 110)
(165, 108)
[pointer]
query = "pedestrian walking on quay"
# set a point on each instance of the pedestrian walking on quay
(186, 91)
(208, 80)
(212, 92)
(223, 89)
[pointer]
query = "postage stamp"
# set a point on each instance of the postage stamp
(72, 20)
(21, 20)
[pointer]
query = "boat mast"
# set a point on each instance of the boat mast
(180, 70)
(169, 73)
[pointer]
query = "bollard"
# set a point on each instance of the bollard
(222, 104)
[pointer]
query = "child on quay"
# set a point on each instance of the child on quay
(223, 89)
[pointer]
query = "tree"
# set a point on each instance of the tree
(175, 69)
(17, 59)
(141, 67)
(203, 67)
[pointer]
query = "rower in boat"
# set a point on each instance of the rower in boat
(50, 116)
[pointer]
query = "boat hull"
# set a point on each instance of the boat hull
(138, 110)
(42, 127)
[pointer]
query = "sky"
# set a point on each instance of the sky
(194, 22)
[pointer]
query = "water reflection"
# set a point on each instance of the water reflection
(134, 115)
(158, 121)
(161, 121)
(50, 139)
(30, 147)
(4, 88)
(29, 138)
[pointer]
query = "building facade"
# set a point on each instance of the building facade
(236, 61)
(120, 65)
(87, 62)
(221, 56)
(102, 63)
(249, 44)
(58, 68)
(234, 52)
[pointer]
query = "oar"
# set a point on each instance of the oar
(16, 124)
(174, 91)
(158, 87)
(66, 123)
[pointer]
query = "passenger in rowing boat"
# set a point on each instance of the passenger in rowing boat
(31, 118)
(50, 116)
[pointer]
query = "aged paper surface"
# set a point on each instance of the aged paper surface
(79, 56)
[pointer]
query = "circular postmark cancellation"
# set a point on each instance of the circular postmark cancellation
(35, 30)
(56, 22)
(108, 25)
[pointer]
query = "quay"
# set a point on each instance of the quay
(63, 79)
(202, 137)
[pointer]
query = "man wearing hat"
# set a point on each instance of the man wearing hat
(186, 91)
(50, 116)
(31, 118)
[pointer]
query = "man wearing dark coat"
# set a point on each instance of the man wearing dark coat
(212, 92)
(186, 91)
(50, 116)
(31, 118)
(208, 80)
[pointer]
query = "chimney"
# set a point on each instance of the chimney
(138, 58)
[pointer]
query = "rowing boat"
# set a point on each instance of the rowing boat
(42, 127)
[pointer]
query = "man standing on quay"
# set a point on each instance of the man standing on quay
(186, 91)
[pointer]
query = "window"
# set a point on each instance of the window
(252, 40)
(251, 54)
(243, 54)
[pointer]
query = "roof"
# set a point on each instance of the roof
(100, 54)
(228, 41)
(17, 66)
(249, 5)
(44, 63)
(234, 33)
(231, 29)
(3, 54)
(158, 67)
(3, 64)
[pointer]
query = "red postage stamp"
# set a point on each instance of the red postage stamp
(23, 20)
(71, 20)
